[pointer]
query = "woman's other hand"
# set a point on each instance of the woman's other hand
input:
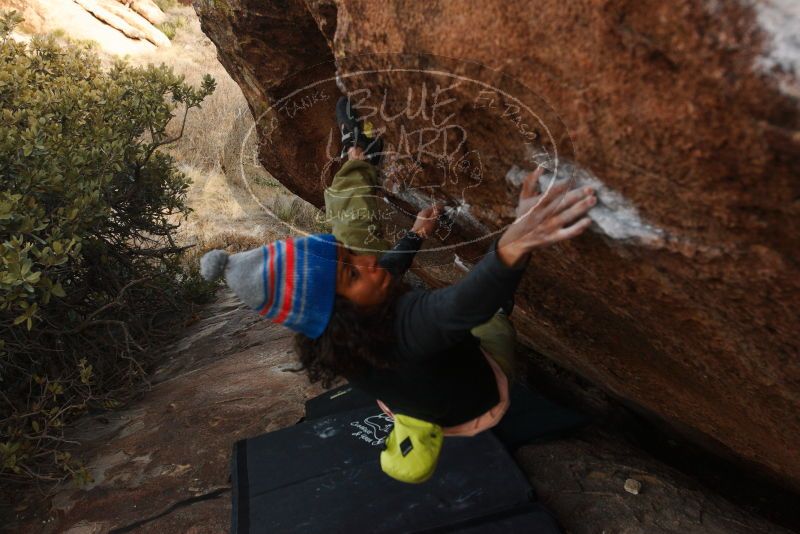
(356, 152)
(427, 220)
(543, 219)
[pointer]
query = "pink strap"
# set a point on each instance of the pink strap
(483, 422)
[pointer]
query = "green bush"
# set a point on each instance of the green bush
(90, 276)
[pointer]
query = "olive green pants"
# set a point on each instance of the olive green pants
(498, 338)
(351, 208)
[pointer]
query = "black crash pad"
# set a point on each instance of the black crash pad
(324, 475)
(531, 518)
(342, 399)
(530, 417)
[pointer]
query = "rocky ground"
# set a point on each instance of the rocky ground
(600, 483)
(161, 465)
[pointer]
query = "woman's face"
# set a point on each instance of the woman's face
(359, 279)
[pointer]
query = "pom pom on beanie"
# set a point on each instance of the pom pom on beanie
(291, 281)
(212, 264)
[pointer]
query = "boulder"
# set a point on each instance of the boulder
(147, 9)
(682, 299)
(127, 21)
(43, 16)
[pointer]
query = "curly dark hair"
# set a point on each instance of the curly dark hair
(355, 340)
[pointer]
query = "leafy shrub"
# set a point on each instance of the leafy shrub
(90, 276)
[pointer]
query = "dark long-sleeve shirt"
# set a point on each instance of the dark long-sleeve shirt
(399, 258)
(442, 374)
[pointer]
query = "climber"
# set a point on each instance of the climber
(438, 361)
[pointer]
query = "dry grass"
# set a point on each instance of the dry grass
(233, 198)
(166, 5)
(193, 55)
(218, 152)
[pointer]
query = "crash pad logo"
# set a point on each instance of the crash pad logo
(452, 132)
(373, 429)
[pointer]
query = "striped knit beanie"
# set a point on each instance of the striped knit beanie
(291, 282)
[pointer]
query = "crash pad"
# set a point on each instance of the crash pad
(530, 417)
(337, 400)
(323, 475)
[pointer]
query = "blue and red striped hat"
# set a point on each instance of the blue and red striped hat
(291, 282)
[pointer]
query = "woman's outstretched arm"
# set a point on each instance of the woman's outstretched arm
(431, 321)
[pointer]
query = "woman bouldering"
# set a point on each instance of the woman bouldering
(437, 361)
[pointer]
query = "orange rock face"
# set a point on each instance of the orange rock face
(683, 299)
